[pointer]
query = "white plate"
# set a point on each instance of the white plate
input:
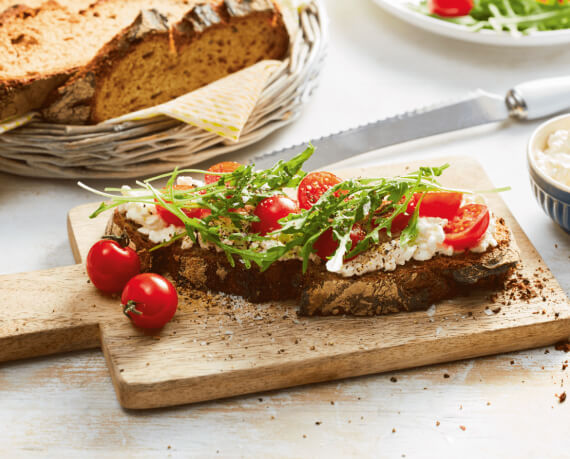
(401, 9)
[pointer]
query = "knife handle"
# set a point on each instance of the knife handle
(539, 98)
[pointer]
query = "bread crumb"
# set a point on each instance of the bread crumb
(463, 428)
(437, 423)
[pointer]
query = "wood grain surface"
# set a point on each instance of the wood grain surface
(219, 346)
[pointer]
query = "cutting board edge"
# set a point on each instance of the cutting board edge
(140, 396)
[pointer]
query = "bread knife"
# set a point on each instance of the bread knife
(526, 101)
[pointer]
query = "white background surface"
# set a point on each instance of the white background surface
(377, 66)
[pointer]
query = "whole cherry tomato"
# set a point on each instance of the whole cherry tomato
(149, 300)
(110, 266)
(450, 8)
(224, 166)
(171, 219)
(326, 245)
(270, 211)
(313, 186)
(467, 227)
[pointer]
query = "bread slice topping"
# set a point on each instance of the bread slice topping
(405, 240)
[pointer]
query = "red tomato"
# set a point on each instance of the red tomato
(110, 266)
(313, 186)
(467, 227)
(149, 300)
(225, 166)
(439, 204)
(171, 219)
(326, 244)
(450, 8)
(270, 211)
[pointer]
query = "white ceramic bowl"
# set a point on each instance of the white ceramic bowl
(553, 196)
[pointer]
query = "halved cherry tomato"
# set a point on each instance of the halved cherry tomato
(270, 211)
(326, 245)
(467, 227)
(313, 186)
(110, 266)
(171, 219)
(224, 166)
(450, 8)
(149, 300)
(440, 204)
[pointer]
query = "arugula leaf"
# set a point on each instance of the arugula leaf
(372, 202)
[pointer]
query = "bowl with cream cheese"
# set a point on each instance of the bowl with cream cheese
(548, 158)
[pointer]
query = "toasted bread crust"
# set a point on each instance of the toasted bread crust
(414, 286)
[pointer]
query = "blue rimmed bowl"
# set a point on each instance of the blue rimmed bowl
(553, 196)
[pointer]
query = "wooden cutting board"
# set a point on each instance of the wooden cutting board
(219, 346)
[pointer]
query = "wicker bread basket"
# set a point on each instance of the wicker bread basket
(151, 146)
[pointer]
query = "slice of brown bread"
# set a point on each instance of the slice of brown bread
(150, 62)
(414, 286)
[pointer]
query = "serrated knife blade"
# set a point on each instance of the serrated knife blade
(528, 100)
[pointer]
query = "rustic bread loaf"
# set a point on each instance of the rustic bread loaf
(151, 61)
(41, 47)
(44, 44)
(32, 60)
(414, 286)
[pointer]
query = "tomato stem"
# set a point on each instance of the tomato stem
(131, 306)
(123, 240)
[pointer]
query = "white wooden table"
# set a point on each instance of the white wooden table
(502, 406)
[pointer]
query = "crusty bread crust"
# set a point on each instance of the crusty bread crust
(414, 286)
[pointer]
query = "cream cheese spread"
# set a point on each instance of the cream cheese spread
(554, 160)
(146, 216)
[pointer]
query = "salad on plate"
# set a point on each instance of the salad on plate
(517, 17)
